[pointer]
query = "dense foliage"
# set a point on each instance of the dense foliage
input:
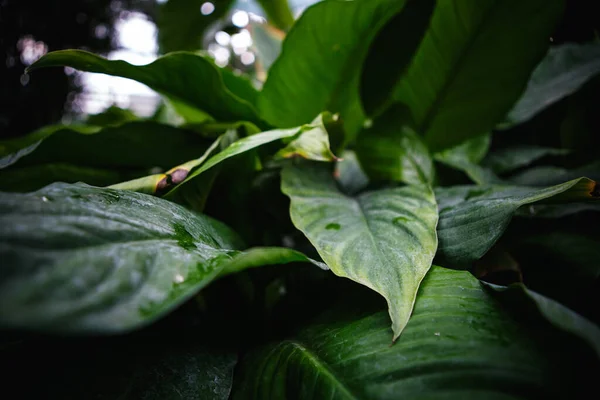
(439, 155)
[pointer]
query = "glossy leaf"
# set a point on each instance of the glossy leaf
(472, 218)
(132, 145)
(471, 68)
(391, 151)
(511, 158)
(562, 72)
(383, 239)
(459, 344)
(319, 66)
(185, 78)
(81, 259)
(260, 256)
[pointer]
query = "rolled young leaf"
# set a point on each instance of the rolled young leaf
(459, 344)
(384, 239)
(81, 259)
(472, 218)
(185, 78)
(472, 66)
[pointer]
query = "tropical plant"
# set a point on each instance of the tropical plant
(438, 155)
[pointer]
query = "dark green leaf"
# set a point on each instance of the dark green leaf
(316, 132)
(278, 12)
(466, 157)
(564, 70)
(82, 259)
(34, 177)
(112, 116)
(186, 78)
(511, 158)
(557, 314)
(548, 175)
(472, 218)
(390, 54)
(76, 258)
(391, 151)
(181, 25)
(131, 145)
(472, 66)
(459, 344)
(320, 64)
(383, 239)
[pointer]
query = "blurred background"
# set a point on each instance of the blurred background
(238, 34)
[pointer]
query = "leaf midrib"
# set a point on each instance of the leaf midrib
(322, 368)
(457, 66)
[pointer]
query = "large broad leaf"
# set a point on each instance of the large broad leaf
(459, 344)
(186, 78)
(383, 239)
(76, 258)
(320, 64)
(472, 66)
(132, 145)
(564, 70)
(391, 151)
(472, 218)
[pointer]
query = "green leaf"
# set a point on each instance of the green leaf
(472, 66)
(181, 25)
(391, 151)
(313, 144)
(81, 259)
(137, 144)
(350, 176)
(390, 54)
(185, 78)
(260, 256)
(557, 314)
(112, 116)
(511, 158)
(459, 344)
(320, 63)
(549, 175)
(246, 144)
(34, 177)
(266, 41)
(278, 12)
(562, 72)
(472, 218)
(466, 157)
(383, 239)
